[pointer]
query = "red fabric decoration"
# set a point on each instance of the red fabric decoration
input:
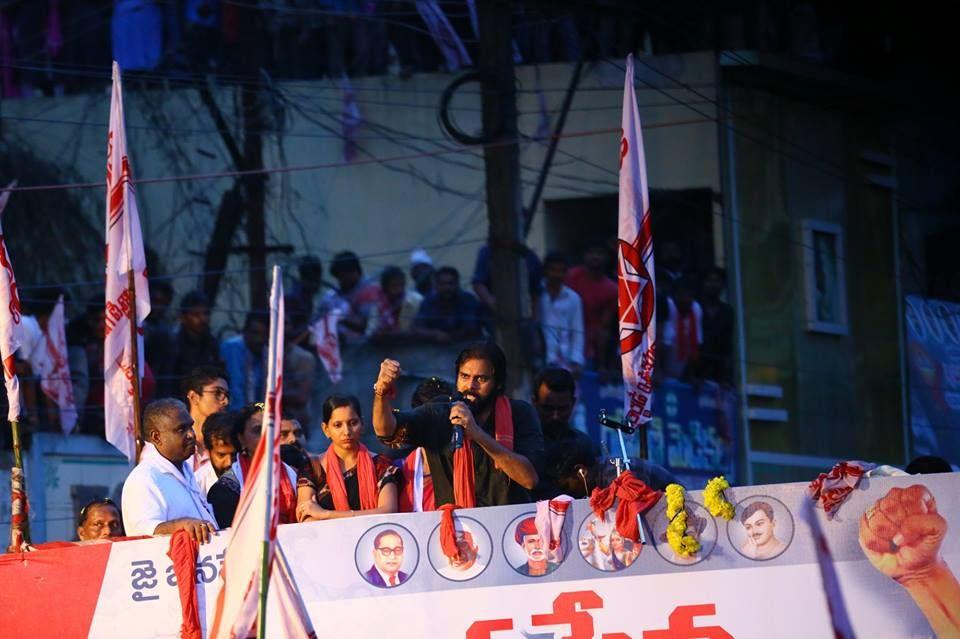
(464, 477)
(831, 489)
(33, 599)
(448, 532)
(635, 498)
(366, 477)
(183, 553)
(287, 502)
(503, 423)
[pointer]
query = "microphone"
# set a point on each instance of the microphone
(614, 424)
(456, 437)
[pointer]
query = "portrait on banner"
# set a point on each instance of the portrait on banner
(474, 551)
(387, 555)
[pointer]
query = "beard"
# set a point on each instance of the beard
(476, 403)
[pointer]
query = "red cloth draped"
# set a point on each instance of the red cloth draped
(287, 493)
(832, 489)
(448, 532)
(635, 498)
(183, 553)
(464, 479)
(366, 478)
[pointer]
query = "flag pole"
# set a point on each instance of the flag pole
(267, 432)
(134, 342)
(135, 358)
(9, 318)
(19, 521)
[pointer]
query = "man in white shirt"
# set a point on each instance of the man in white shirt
(561, 315)
(160, 495)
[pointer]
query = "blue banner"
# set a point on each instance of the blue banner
(933, 352)
(693, 432)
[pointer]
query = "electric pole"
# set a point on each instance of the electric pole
(502, 165)
(252, 37)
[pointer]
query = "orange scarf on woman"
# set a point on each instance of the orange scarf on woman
(366, 478)
(464, 476)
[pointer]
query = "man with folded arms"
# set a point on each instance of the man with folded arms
(161, 496)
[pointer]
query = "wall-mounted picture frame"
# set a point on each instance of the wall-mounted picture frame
(825, 284)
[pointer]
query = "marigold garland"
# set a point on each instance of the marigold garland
(714, 499)
(683, 545)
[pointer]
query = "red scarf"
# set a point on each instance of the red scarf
(635, 498)
(448, 532)
(688, 346)
(366, 478)
(464, 476)
(287, 493)
(183, 553)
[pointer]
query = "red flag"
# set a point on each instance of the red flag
(55, 379)
(327, 342)
(9, 319)
(124, 254)
(252, 544)
(637, 300)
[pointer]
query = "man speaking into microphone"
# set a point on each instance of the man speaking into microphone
(482, 451)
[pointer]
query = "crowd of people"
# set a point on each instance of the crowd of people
(462, 442)
(202, 392)
(572, 310)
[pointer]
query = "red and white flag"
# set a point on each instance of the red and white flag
(9, 343)
(253, 536)
(637, 300)
(292, 619)
(55, 381)
(124, 254)
(327, 342)
(9, 319)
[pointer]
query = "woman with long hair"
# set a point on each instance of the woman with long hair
(353, 481)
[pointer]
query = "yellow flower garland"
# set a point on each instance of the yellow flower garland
(683, 545)
(714, 499)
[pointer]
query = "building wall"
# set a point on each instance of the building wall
(381, 210)
(796, 160)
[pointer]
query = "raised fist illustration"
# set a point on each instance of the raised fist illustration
(902, 532)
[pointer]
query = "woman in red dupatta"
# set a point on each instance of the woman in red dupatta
(352, 481)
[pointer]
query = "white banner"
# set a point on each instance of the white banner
(755, 576)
